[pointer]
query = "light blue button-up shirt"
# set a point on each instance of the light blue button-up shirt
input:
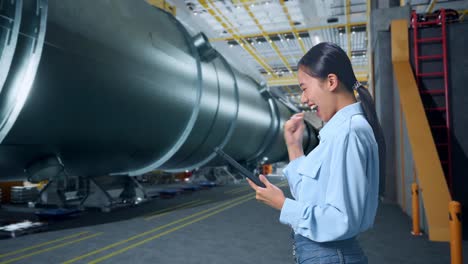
(335, 187)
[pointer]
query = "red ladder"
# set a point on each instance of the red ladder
(443, 143)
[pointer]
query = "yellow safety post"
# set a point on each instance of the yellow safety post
(415, 197)
(455, 232)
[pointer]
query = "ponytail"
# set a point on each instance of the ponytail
(367, 104)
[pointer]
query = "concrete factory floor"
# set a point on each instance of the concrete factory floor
(224, 224)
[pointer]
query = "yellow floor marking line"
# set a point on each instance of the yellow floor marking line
(170, 209)
(282, 184)
(180, 207)
(152, 230)
(167, 232)
(240, 191)
(246, 187)
(243, 189)
(42, 244)
(237, 189)
(51, 248)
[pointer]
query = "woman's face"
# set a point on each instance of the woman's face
(318, 93)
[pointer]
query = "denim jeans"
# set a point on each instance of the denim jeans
(306, 251)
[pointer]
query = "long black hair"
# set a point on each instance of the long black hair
(328, 58)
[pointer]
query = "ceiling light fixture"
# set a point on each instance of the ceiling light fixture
(316, 39)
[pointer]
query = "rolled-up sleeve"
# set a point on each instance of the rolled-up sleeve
(340, 215)
(290, 172)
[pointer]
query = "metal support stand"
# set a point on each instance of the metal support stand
(50, 194)
(63, 191)
(223, 176)
(218, 175)
(109, 192)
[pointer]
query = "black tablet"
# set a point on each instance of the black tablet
(245, 172)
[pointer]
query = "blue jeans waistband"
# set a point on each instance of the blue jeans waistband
(337, 243)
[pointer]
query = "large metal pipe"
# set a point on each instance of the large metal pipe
(122, 88)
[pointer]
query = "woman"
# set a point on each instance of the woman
(336, 186)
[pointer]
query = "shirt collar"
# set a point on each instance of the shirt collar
(342, 115)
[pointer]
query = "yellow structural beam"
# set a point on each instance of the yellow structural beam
(265, 35)
(301, 30)
(275, 58)
(370, 58)
(282, 81)
(244, 43)
(292, 80)
(162, 4)
(291, 24)
(362, 78)
(434, 190)
(431, 6)
(463, 13)
(348, 25)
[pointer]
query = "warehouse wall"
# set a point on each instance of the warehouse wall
(388, 108)
(383, 85)
(458, 72)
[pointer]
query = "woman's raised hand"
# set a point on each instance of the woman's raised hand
(294, 130)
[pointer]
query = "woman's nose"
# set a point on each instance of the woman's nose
(303, 98)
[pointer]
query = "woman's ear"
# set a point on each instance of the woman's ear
(332, 82)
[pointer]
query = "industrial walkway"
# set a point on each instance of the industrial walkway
(221, 225)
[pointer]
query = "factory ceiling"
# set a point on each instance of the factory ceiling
(268, 37)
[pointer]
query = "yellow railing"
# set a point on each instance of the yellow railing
(434, 190)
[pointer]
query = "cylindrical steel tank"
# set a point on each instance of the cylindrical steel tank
(122, 88)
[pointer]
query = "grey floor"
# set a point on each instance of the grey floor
(221, 225)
